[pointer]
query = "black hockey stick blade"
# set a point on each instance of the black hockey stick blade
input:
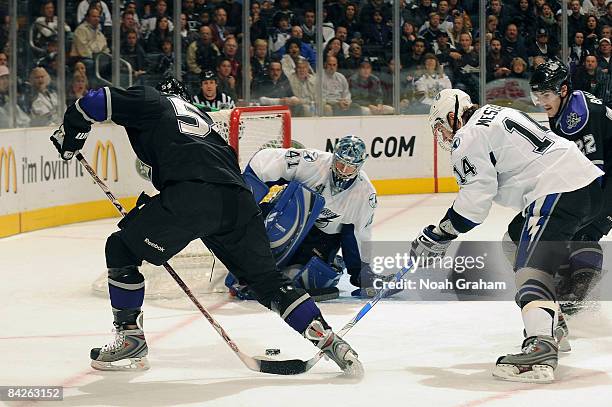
(283, 367)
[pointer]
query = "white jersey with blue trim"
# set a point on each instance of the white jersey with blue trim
(353, 206)
(504, 156)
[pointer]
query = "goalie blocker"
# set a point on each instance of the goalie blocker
(290, 212)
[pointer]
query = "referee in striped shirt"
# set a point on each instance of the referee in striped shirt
(209, 96)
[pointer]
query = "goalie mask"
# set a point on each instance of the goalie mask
(448, 101)
(349, 156)
(174, 87)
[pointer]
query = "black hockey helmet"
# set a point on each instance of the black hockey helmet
(174, 87)
(550, 75)
(208, 76)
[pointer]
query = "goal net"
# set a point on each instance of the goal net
(247, 130)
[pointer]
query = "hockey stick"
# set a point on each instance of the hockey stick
(307, 365)
(257, 364)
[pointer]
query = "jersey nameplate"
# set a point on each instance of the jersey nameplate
(488, 114)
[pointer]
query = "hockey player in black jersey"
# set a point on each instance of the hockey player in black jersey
(202, 195)
(580, 117)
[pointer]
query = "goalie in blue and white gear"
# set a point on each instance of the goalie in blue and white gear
(345, 220)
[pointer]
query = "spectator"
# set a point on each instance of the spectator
(502, 13)
(591, 32)
(274, 88)
(431, 29)
(45, 26)
(162, 32)
(187, 36)
(606, 32)
(446, 17)
(290, 59)
(541, 47)
(230, 52)
(498, 64)
(150, 23)
(607, 19)
(335, 9)
(512, 44)
(431, 82)
(415, 59)
(89, 40)
(43, 110)
(258, 28)
(406, 86)
(22, 119)
(130, 6)
(407, 38)
(518, 68)
(589, 78)
(366, 90)
(202, 54)
(524, 18)
(220, 29)
(3, 59)
(336, 94)
(492, 31)
(458, 29)
(128, 23)
(85, 5)
(226, 82)
(341, 33)
(132, 51)
(419, 13)
(578, 50)
(597, 9)
(260, 59)
(334, 48)
(547, 20)
(605, 50)
(210, 96)
(191, 16)
(306, 49)
(79, 67)
(78, 88)
(465, 67)
(303, 84)
(165, 62)
(377, 31)
(283, 7)
(309, 27)
(280, 34)
(442, 50)
(576, 21)
(350, 20)
(354, 60)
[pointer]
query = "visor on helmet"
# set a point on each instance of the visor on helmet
(541, 98)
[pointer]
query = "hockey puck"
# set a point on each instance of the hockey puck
(272, 352)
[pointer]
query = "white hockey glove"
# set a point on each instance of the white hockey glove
(432, 242)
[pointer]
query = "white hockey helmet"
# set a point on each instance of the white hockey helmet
(446, 102)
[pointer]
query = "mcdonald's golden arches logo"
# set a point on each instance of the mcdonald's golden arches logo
(8, 169)
(107, 149)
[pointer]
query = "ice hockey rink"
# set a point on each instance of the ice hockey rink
(414, 353)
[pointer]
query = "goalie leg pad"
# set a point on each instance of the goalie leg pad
(289, 221)
(295, 307)
(316, 274)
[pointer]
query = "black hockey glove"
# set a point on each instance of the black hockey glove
(430, 243)
(71, 135)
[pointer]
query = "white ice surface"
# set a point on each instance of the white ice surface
(415, 354)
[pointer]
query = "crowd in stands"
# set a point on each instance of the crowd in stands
(439, 48)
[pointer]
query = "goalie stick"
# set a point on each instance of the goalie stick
(257, 364)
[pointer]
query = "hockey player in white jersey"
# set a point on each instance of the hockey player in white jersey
(350, 200)
(502, 155)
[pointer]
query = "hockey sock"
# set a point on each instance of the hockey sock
(126, 288)
(296, 307)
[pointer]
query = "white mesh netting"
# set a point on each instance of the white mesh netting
(255, 128)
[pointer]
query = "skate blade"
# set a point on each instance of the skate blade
(537, 373)
(564, 345)
(125, 365)
(354, 368)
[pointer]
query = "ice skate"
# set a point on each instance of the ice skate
(535, 364)
(335, 348)
(562, 334)
(127, 351)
